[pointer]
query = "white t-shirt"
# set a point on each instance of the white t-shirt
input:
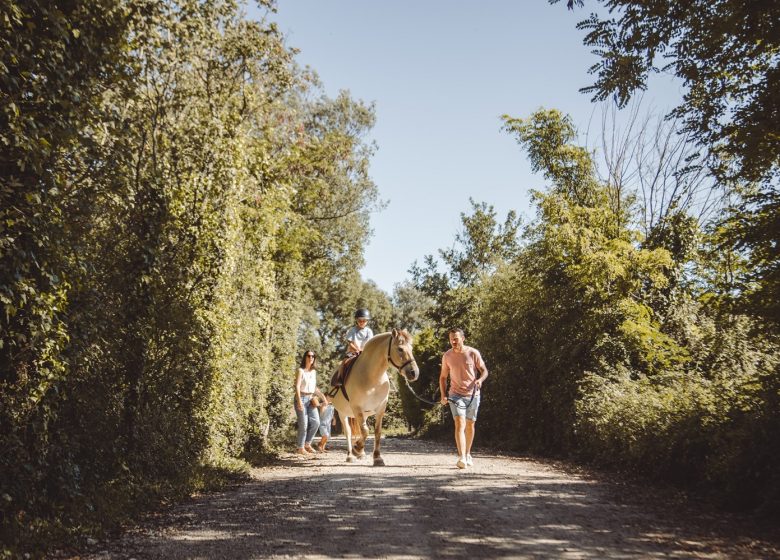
(308, 380)
(359, 336)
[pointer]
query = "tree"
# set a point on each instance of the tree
(412, 310)
(60, 62)
(647, 163)
(57, 64)
(726, 52)
(587, 361)
(411, 307)
(753, 227)
(571, 301)
(657, 177)
(480, 247)
(333, 200)
(449, 298)
(159, 235)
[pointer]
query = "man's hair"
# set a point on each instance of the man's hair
(456, 330)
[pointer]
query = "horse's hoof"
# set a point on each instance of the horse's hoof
(361, 455)
(350, 459)
(379, 462)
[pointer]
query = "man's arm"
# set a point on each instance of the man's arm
(483, 372)
(483, 375)
(445, 372)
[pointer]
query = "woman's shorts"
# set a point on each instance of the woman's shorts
(459, 406)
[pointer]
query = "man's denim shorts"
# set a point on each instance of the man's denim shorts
(458, 406)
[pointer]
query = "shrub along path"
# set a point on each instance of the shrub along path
(420, 506)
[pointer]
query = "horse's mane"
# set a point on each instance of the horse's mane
(402, 332)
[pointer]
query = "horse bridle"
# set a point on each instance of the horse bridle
(390, 359)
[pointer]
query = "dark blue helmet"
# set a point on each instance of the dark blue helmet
(363, 314)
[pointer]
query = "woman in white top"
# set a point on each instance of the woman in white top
(308, 415)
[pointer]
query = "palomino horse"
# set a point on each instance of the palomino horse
(368, 387)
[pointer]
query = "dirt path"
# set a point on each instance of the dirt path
(421, 506)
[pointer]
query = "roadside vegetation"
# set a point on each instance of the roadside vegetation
(183, 212)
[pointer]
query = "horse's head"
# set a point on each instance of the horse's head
(400, 355)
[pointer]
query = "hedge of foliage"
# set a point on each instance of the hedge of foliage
(609, 345)
(173, 189)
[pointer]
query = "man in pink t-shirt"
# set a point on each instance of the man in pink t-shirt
(466, 370)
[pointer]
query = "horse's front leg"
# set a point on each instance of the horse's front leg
(345, 422)
(378, 461)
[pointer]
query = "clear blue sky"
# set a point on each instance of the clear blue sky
(441, 73)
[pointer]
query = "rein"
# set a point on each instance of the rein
(426, 401)
(334, 391)
(418, 397)
(406, 379)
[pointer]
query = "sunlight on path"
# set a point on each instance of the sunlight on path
(422, 506)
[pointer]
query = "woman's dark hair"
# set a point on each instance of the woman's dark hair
(303, 358)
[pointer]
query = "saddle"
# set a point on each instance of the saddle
(339, 379)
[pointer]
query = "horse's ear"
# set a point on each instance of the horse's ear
(395, 332)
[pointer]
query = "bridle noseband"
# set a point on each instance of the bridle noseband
(390, 359)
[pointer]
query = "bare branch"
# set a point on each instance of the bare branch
(648, 158)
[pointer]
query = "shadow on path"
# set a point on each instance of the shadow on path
(423, 507)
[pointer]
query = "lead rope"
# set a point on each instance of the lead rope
(426, 401)
(418, 397)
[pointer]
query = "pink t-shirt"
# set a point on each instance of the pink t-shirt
(464, 369)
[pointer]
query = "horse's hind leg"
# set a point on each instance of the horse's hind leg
(345, 422)
(378, 461)
(360, 445)
(355, 427)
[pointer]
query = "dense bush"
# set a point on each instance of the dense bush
(614, 347)
(703, 428)
(163, 170)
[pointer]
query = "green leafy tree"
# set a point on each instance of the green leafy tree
(149, 334)
(334, 201)
(411, 307)
(58, 64)
(751, 227)
(428, 349)
(571, 300)
(451, 297)
(411, 310)
(479, 248)
(623, 349)
(726, 53)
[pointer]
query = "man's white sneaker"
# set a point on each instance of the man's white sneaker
(469, 460)
(461, 464)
